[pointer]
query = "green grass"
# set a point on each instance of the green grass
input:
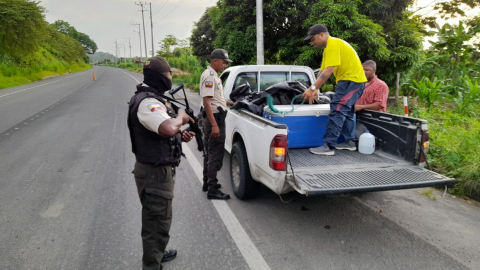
(190, 74)
(429, 194)
(454, 142)
(43, 65)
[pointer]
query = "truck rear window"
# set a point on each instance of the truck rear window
(301, 78)
(268, 79)
(244, 77)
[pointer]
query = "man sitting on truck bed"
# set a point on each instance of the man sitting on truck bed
(340, 59)
(375, 95)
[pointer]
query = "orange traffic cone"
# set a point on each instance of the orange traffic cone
(94, 77)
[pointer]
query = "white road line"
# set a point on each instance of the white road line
(86, 86)
(131, 76)
(41, 85)
(249, 251)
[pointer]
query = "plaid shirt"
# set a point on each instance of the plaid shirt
(375, 92)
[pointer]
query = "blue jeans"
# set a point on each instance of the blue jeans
(342, 110)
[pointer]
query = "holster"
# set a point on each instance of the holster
(222, 112)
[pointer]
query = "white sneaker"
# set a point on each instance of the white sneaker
(323, 150)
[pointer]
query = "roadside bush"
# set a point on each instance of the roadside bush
(454, 146)
(34, 67)
(468, 97)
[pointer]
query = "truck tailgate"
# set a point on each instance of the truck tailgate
(351, 172)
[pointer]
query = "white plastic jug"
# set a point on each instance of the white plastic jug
(366, 143)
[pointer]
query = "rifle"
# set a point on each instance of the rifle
(193, 126)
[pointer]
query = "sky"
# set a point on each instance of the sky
(108, 20)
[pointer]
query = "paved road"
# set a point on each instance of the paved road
(68, 200)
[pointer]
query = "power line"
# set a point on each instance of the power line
(160, 8)
(179, 2)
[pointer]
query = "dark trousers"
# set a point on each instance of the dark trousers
(342, 110)
(155, 189)
(214, 150)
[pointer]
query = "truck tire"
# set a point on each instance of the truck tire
(243, 184)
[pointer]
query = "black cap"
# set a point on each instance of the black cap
(220, 54)
(157, 64)
(316, 29)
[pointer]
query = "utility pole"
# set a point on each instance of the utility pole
(151, 28)
(124, 54)
(130, 45)
(140, 37)
(116, 51)
(145, 37)
(260, 57)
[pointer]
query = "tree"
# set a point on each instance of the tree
(203, 36)
(345, 22)
(62, 46)
(21, 27)
(452, 41)
(64, 27)
(166, 46)
(383, 31)
(234, 23)
(455, 8)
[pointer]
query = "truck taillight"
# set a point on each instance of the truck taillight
(278, 153)
(425, 145)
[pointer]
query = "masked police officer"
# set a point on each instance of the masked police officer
(156, 138)
(215, 106)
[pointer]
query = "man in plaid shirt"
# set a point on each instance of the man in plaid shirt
(375, 95)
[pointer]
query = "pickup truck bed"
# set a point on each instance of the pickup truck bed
(351, 171)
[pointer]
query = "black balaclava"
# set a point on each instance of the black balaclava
(153, 74)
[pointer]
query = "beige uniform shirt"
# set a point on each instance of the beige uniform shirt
(152, 113)
(211, 86)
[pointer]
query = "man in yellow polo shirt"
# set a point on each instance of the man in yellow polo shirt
(340, 59)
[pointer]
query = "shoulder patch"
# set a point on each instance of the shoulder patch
(209, 84)
(154, 107)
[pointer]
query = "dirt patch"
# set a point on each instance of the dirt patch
(179, 72)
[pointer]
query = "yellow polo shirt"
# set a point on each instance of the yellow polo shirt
(344, 58)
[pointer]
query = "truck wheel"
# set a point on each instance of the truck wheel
(243, 184)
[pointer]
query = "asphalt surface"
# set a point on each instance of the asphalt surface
(68, 200)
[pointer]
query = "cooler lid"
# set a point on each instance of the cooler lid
(301, 110)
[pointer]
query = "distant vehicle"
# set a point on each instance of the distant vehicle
(260, 153)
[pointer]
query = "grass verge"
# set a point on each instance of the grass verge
(454, 145)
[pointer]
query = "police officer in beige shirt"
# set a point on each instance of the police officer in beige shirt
(211, 90)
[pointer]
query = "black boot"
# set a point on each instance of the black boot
(216, 194)
(205, 186)
(169, 255)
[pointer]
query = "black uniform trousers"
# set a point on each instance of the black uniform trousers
(155, 188)
(214, 150)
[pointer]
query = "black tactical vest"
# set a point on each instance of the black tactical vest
(150, 147)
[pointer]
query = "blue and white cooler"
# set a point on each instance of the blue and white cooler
(306, 124)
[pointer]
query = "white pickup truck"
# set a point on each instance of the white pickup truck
(254, 141)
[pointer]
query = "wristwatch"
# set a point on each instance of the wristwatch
(313, 87)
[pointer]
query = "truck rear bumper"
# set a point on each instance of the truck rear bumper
(330, 183)
(352, 172)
